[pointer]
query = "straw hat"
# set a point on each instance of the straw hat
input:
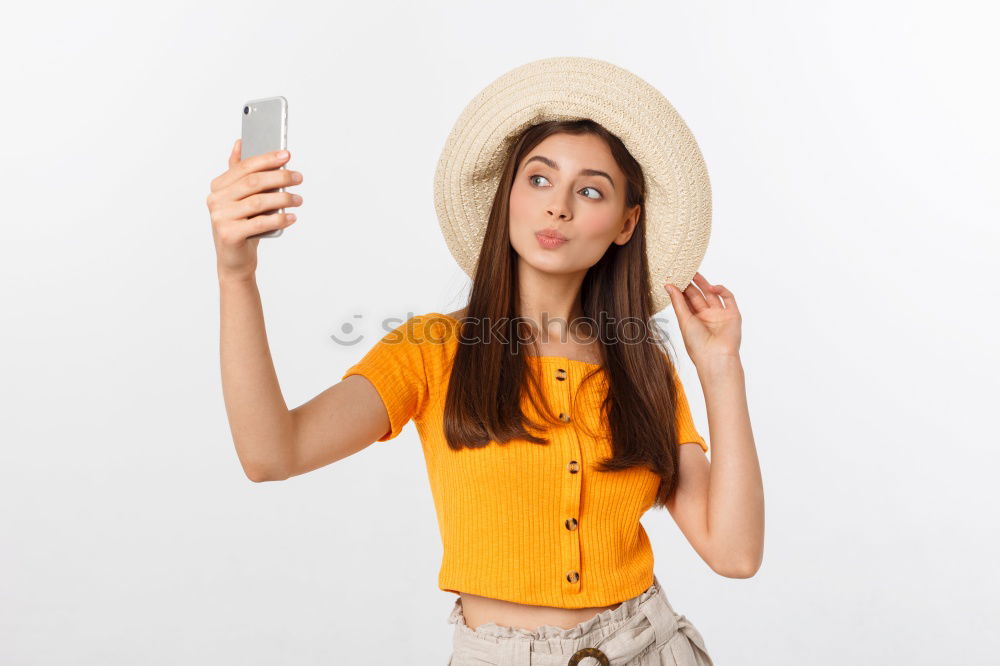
(679, 197)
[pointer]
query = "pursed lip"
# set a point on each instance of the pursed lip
(551, 233)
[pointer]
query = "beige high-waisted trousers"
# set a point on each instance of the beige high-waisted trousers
(642, 631)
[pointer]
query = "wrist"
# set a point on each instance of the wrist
(237, 278)
(719, 364)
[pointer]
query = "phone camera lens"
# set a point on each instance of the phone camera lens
(246, 110)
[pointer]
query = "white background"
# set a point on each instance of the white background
(853, 151)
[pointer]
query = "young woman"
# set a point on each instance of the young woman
(550, 415)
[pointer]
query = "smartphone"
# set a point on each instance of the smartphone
(265, 129)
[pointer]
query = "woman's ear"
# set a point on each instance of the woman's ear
(628, 225)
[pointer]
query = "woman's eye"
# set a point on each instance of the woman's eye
(531, 179)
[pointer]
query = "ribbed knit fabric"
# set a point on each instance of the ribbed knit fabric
(523, 522)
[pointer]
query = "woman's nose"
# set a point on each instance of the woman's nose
(558, 209)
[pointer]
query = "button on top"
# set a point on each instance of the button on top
(561, 374)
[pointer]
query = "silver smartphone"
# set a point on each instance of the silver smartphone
(265, 129)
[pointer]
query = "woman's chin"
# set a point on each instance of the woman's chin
(544, 261)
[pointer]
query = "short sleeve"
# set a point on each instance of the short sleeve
(395, 366)
(686, 432)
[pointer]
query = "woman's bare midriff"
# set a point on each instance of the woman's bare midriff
(479, 610)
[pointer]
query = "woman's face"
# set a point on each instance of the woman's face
(557, 186)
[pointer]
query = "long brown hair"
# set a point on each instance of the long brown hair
(488, 380)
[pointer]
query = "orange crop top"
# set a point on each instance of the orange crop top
(523, 522)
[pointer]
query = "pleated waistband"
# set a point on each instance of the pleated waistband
(620, 634)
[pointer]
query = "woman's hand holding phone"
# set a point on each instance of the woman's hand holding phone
(238, 197)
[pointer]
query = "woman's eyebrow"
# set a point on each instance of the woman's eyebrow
(585, 172)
